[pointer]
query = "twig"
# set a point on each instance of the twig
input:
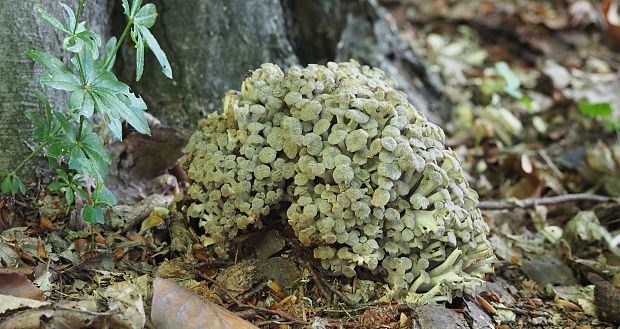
(524, 312)
(553, 200)
(321, 281)
(239, 304)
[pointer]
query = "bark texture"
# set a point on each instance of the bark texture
(338, 30)
(211, 44)
(22, 30)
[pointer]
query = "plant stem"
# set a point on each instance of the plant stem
(119, 42)
(82, 74)
(77, 16)
(79, 133)
(37, 150)
(79, 60)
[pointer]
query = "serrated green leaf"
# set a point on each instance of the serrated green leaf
(52, 20)
(159, 54)
(598, 110)
(139, 57)
(93, 214)
(146, 16)
(59, 147)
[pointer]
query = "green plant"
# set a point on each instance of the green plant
(603, 112)
(69, 137)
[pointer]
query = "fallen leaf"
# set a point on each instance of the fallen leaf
(174, 308)
(18, 285)
(125, 302)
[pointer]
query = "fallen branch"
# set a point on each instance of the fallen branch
(552, 200)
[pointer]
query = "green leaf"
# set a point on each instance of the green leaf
(83, 102)
(61, 76)
(48, 60)
(92, 41)
(52, 20)
(83, 40)
(114, 124)
(89, 154)
(513, 83)
(135, 5)
(597, 110)
(69, 197)
(71, 20)
(103, 196)
(62, 81)
(146, 15)
(139, 57)
(6, 184)
(56, 186)
(159, 54)
(81, 193)
(106, 82)
(135, 117)
(93, 214)
(110, 55)
(125, 7)
(43, 124)
(20, 184)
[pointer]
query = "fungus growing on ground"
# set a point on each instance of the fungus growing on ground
(364, 179)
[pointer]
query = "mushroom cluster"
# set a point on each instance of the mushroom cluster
(361, 177)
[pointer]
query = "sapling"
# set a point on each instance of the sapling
(67, 137)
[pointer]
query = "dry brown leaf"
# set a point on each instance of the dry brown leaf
(18, 285)
(610, 11)
(174, 308)
(47, 224)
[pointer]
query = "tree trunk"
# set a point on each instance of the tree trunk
(211, 45)
(22, 30)
(339, 30)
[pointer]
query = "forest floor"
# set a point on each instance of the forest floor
(536, 121)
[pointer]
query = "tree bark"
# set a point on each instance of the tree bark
(339, 30)
(211, 45)
(22, 30)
